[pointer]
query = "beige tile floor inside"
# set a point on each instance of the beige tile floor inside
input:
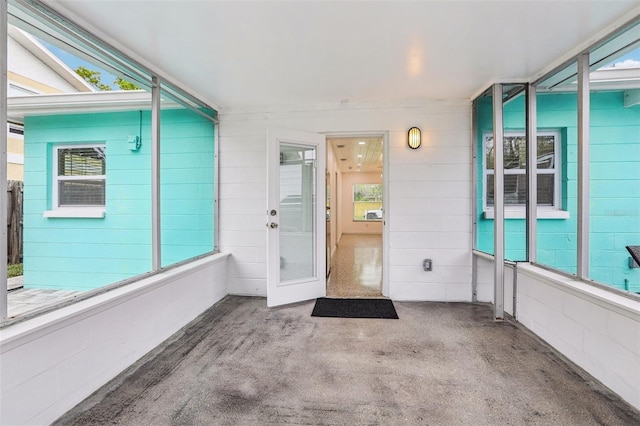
(356, 267)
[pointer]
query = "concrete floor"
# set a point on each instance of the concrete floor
(440, 363)
(356, 267)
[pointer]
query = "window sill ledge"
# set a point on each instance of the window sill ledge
(88, 213)
(521, 214)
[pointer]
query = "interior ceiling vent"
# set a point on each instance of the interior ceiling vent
(340, 146)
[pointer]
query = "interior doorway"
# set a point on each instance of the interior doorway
(355, 215)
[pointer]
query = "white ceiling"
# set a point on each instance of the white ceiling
(357, 154)
(236, 54)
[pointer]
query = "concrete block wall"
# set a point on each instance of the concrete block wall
(593, 327)
(50, 363)
(429, 190)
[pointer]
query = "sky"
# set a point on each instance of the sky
(74, 62)
(630, 60)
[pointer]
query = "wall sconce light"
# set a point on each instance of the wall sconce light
(414, 138)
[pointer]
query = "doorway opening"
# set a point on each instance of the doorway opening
(355, 215)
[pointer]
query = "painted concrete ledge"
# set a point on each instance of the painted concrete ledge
(51, 321)
(607, 299)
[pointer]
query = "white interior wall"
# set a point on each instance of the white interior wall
(52, 362)
(332, 170)
(339, 205)
(429, 208)
(593, 327)
(349, 226)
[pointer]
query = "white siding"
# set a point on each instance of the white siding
(24, 63)
(429, 208)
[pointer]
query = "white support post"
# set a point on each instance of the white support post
(155, 174)
(532, 173)
(474, 197)
(583, 166)
(3, 159)
(498, 204)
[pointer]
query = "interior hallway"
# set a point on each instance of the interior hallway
(440, 363)
(356, 267)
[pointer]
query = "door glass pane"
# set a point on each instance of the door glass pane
(297, 212)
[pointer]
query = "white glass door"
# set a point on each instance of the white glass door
(296, 218)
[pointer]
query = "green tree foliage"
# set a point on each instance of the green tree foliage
(125, 85)
(367, 192)
(94, 78)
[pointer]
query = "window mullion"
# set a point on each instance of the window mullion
(3, 159)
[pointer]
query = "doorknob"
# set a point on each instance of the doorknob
(273, 225)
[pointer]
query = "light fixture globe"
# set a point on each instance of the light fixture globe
(414, 138)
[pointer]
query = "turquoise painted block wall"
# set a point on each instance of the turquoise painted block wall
(615, 186)
(187, 187)
(88, 253)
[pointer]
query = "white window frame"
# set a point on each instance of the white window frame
(79, 211)
(518, 211)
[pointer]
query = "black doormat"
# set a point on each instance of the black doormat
(354, 308)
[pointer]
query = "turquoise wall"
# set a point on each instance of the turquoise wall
(187, 189)
(615, 186)
(88, 253)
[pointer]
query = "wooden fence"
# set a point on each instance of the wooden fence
(14, 221)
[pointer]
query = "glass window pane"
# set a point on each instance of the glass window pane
(483, 111)
(558, 109)
(546, 189)
(187, 161)
(614, 197)
(367, 201)
(81, 193)
(297, 212)
(546, 152)
(81, 161)
(489, 154)
(515, 189)
(67, 252)
(515, 152)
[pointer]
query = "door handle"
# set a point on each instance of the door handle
(273, 225)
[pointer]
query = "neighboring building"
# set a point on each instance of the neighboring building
(615, 179)
(33, 70)
(97, 158)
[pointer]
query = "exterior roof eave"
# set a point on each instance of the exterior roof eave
(19, 107)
